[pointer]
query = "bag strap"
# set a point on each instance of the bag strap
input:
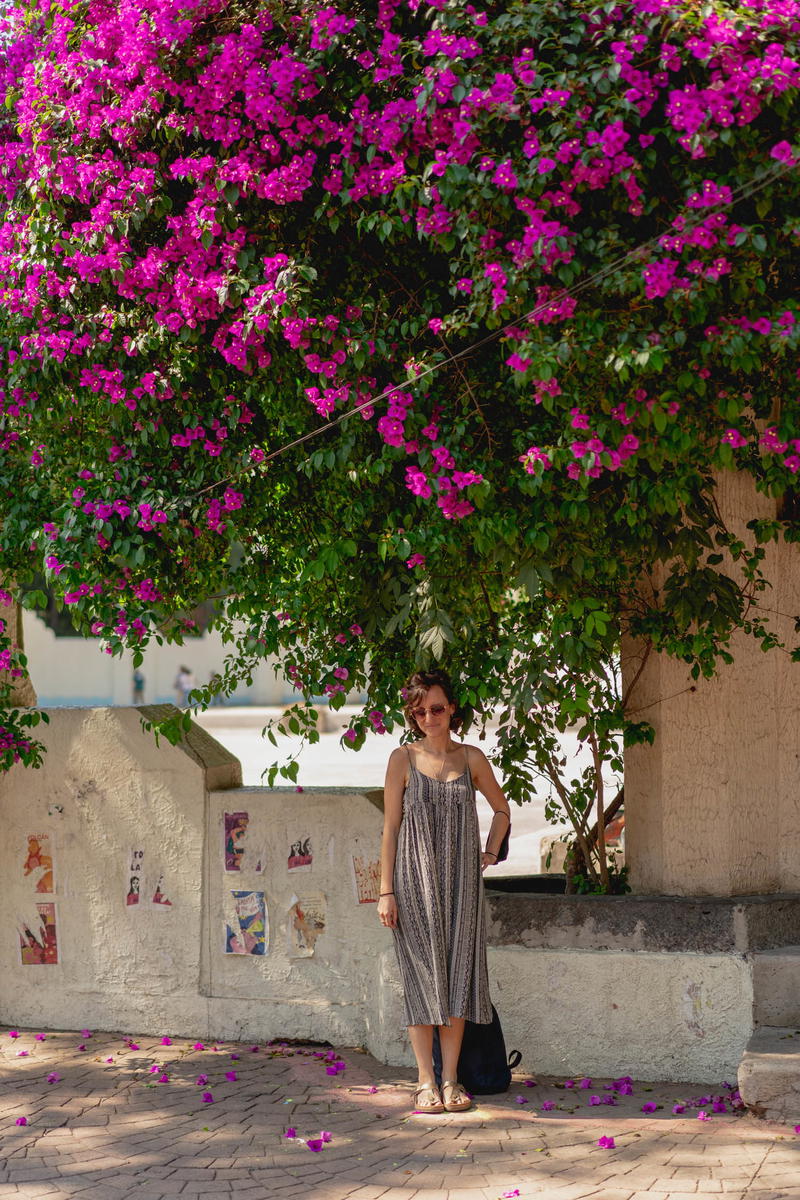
(514, 1058)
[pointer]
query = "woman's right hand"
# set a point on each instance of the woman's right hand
(387, 911)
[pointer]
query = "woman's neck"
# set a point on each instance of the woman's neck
(440, 744)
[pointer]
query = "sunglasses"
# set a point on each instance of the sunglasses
(435, 710)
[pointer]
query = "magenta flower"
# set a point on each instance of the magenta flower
(231, 1075)
(208, 1098)
(82, 1047)
(198, 1046)
(521, 1099)
(290, 1133)
(132, 1045)
(569, 1083)
(372, 1090)
(53, 1077)
(703, 1115)
(21, 1121)
(529, 1083)
(594, 1100)
(163, 1078)
(254, 1049)
(585, 1083)
(86, 1033)
(331, 1071)
(235, 1056)
(719, 1106)
(314, 1144)
(509, 1195)
(326, 1136)
(154, 1069)
(22, 1053)
(165, 1041)
(606, 1143)
(41, 1037)
(201, 1080)
(547, 1105)
(649, 1107)
(679, 1108)
(13, 1033)
(797, 1128)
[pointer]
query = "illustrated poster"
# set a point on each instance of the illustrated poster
(306, 923)
(248, 932)
(158, 898)
(235, 837)
(134, 877)
(300, 855)
(38, 865)
(38, 939)
(366, 878)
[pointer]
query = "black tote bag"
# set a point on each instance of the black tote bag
(484, 1067)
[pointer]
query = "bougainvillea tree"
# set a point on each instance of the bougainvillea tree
(406, 331)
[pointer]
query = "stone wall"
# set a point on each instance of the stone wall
(572, 998)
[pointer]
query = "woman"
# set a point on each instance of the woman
(431, 889)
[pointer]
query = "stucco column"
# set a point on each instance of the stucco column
(23, 694)
(713, 807)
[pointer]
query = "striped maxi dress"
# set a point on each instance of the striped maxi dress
(440, 937)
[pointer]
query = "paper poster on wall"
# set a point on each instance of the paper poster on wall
(134, 877)
(248, 931)
(300, 855)
(159, 898)
(38, 937)
(235, 836)
(38, 865)
(306, 923)
(366, 874)
(244, 842)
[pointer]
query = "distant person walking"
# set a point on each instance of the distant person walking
(184, 682)
(137, 687)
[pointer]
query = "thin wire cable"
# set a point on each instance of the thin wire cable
(745, 191)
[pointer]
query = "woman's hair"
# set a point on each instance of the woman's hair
(415, 691)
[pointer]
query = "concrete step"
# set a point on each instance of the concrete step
(769, 1073)
(776, 986)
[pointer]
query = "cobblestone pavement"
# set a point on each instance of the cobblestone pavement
(108, 1117)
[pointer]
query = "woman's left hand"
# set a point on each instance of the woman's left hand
(487, 860)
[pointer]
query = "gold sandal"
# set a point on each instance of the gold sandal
(458, 1101)
(427, 1099)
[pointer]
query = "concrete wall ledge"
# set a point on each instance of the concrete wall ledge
(671, 924)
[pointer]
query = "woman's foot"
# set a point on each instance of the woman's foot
(454, 1097)
(428, 1099)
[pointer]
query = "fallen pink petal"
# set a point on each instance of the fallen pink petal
(163, 1078)
(86, 1033)
(23, 1053)
(208, 1098)
(198, 1046)
(41, 1037)
(290, 1133)
(231, 1075)
(165, 1041)
(53, 1077)
(326, 1136)
(509, 1195)
(606, 1143)
(201, 1080)
(314, 1144)
(703, 1116)
(649, 1107)
(13, 1033)
(21, 1121)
